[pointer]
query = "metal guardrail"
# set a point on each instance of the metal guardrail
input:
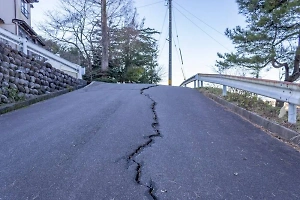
(283, 91)
(28, 46)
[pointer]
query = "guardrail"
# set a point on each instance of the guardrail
(27, 46)
(283, 91)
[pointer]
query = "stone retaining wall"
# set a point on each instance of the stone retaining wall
(23, 76)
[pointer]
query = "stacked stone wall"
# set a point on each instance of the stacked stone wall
(23, 76)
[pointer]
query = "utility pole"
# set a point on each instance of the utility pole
(104, 59)
(170, 42)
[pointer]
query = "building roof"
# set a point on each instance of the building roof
(28, 29)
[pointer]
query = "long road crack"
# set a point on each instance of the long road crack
(139, 149)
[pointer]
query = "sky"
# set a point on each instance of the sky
(198, 30)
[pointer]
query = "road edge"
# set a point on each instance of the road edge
(18, 105)
(279, 131)
(89, 84)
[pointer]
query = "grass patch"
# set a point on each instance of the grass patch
(106, 80)
(253, 103)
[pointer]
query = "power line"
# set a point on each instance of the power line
(161, 33)
(180, 57)
(176, 29)
(176, 50)
(162, 28)
(160, 52)
(150, 4)
(201, 29)
(199, 19)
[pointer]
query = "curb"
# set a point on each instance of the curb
(89, 84)
(17, 105)
(280, 131)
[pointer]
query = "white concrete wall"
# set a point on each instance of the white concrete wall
(7, 13)
(64, 68)
(20, 15)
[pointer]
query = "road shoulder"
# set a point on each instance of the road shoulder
(287, 135)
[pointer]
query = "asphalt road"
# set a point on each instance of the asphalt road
(130, 141)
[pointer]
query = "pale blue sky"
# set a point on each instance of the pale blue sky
(200, 26)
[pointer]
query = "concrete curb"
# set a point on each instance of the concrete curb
(17, 105)
(278, 130)
(89, 84)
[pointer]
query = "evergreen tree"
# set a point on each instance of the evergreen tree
(134, 55)
(271, 37)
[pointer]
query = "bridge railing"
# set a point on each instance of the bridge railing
(27, 46)
(280, 90)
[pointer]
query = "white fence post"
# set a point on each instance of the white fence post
(24, 45)
(292, 113)
(224, 90)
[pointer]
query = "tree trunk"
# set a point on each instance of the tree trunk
(104, 59)
(296, 72)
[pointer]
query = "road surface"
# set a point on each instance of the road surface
(130, 141)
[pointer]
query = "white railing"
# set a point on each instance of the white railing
(27, 46)
(283, 91)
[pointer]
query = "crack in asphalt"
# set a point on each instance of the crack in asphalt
(139, 149)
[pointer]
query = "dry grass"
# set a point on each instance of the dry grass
(253, 103)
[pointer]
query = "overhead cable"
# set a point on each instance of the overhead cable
(201, 29)
(161, 33)
(179, 56)
(163, 25)
(150, 4)
(199, 19)
(160, 51)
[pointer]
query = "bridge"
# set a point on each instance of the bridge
(131, 141)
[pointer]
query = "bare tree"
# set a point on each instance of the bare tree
(70, 25)
(77, 23)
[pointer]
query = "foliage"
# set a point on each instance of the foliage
(14, 95)
(271, 38)
(245, 99)
(134, 54)
(75, 33)
(106, 79)
(212, 90)
(76, 24)
(69, 53)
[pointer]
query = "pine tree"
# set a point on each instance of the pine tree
(271, 37)
(134, 55)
